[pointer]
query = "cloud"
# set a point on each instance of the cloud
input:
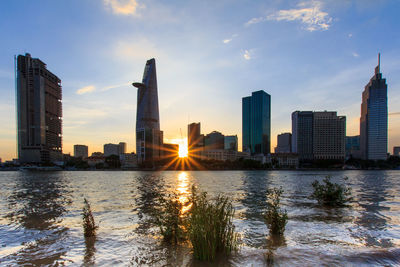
(122, 7)
(308, 13)
(86, 89)
(394, 114)
(115, 86)
(230, 39)
(139, 49)
(350, 35)
(355, 54)
(247, 55)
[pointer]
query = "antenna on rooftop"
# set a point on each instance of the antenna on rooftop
(379, 62)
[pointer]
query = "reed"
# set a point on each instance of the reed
(171, 220)
(275, 217)
(89, 225)
(331, 194)
(210, 226)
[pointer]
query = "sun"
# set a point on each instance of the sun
(183, 146)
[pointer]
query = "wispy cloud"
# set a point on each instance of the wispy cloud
(230, 39)
(122, 7)
(115, 86)
(350, 35)
(355, 54)
(247, 54)
(308, 13)
(86, 89)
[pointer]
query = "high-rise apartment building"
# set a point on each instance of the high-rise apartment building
(111, 149)
(284, 143)
(329, 133)
(149, 138)
(231, 142)
(81, 151)
(256, 123)
(39, 111)
(302, 134)
(318, 135)
(374, 118)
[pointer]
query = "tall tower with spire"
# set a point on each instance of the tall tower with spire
(149, 138)
(374, 118)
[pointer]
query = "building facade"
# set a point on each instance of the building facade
(111, 149)
(353, 146)
(149, 138)
(39, 111)
(374, 118)
(302, 134)
(256, 123)
(231, 142)
(284, 143)
(329, 132)
(81, 151)
(214, 140)
(396, 151)
(195, 140)
(122, 148)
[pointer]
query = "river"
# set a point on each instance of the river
(41, 218)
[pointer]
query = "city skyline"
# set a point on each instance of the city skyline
(200, 62)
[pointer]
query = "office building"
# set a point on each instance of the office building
(329, 132)
(231, 142)
(214, 140)
(81, 151)
(195, 140)
(302, 134)
(170, 151)
(374, 118)
(256, 123)
(122, 148)
(353, 146)
(149, 138)
(39, 112)
(111, 149)
(396, 151)
(284, 143)
(128, 160)
(318, 135)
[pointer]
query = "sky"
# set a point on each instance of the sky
(308, 55)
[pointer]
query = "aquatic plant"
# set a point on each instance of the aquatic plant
(89, 225)
(210, 226)
(275, 217)
(331, 194)
(170, 218)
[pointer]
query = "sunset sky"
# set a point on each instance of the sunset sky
(308, 55)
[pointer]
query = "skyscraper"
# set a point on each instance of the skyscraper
(214, 140)
(195, 140)
(284, 143)
(149, 138)
(302, 134)
(256, 123)
(374, 118)
(39, 111)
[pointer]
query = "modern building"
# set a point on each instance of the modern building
(256, 123)
(231, 142)
(284, 143)
(214, 140)
(149, 138)
(81, 151)
(39, 111)
(318, 135)
(122, 148)
(170, 151)
(224, 155)
(353, 146)
(128, 160)
(111, 149)
(302, 134)
(396, 151)
(329, 132)
(374, 118)
(285, 160)
(195, 140)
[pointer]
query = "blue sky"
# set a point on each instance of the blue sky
(308, 55)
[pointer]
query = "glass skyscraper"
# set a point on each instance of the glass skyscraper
(149, 138)
(256, 123)
(374, 118)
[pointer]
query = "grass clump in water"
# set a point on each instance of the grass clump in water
(331, 194)
(89, 225)
(210, 226)
(171, 220)
(275, 217)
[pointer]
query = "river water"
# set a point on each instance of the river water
(41, 221)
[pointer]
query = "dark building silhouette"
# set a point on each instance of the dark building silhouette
(149, 138)
(214, 140)
(231, 142)
(39, 111)
(374, 118)
(81, 151)
(302, 134)
(256, 123)
(284, 143)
